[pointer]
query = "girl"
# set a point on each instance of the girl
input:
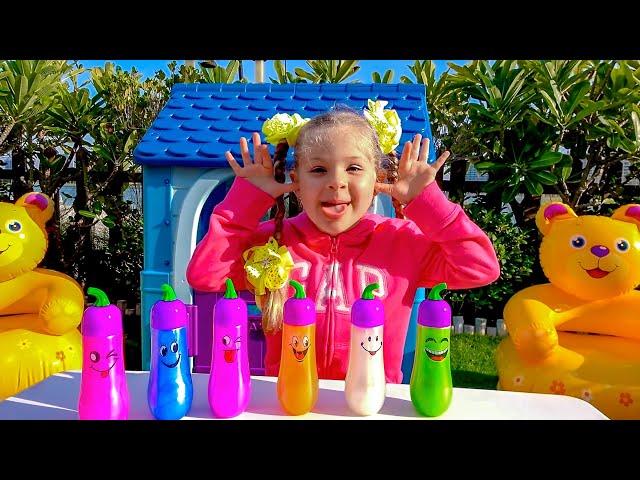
(336, 247)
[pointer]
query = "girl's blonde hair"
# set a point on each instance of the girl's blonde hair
(317, 132)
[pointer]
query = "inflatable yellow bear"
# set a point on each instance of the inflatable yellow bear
(580, 334)
(40, 309)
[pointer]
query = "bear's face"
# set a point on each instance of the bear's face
(590, 257)
(23, 240)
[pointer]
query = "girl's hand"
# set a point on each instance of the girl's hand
(414, 173)
(258, 171)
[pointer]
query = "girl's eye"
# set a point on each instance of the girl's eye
(354, 168)
(318, 170)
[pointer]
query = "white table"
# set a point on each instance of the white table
(56, 398)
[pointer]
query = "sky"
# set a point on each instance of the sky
(367, 67)
(148, 68)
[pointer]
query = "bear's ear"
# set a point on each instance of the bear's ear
(38, 206)
(552, 212)
(628, 213)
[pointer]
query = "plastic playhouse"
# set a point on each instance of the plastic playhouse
(186, 175)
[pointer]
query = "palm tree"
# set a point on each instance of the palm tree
(328, 71)
(28, 88)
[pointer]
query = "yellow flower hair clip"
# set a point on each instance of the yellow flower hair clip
(283, 126)
(385, 122)
(267, 266)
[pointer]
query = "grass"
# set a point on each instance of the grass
(472, 361)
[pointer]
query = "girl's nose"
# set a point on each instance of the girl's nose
(337, 182)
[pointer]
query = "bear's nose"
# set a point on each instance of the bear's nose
(600, 250)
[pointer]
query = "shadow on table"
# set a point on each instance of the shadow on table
(264, 400)
(57, 398)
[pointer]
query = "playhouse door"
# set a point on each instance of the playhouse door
(206, 302)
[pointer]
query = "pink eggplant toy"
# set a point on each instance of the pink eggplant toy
(103, 388)
(230, 380)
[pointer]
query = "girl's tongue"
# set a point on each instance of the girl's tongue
(332, 210)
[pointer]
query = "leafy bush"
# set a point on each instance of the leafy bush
(517, 252)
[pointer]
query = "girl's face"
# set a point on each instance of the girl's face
(336, 181)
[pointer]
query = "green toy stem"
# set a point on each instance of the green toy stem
(230, 292)
(168, 294)
(299, 289)
(434, 293)
(367, 293)
(101, 298)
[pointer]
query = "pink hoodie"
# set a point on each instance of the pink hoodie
(439, 244)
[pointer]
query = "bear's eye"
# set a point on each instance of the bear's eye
(622, 245)
(578, 241)
(14, 226)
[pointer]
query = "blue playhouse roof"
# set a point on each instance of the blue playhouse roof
(202, 121)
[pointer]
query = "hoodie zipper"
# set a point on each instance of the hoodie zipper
(329, 347)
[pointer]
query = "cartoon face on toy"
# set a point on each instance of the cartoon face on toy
(591, 257)
(228, 342)
(101, 361)
(23, 241)
(371, 341)
(300, 347)
(169, 348)
(436, 345)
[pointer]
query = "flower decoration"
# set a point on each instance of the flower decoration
(267, 266)
(385, 122)
(625, 399)
(283, 126)
(557, 387)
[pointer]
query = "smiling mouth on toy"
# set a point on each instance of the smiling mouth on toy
(230, 355)
(2, 251)
(104, 373)
(171, 365)
(371, 352)
(597, 272)
(300, 354)
(436, 355)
